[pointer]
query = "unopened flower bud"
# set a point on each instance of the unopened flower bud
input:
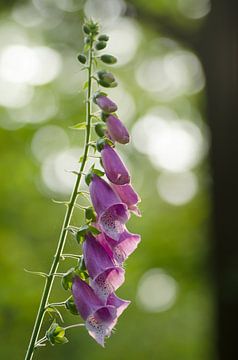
(106, 76)
(103, 37)
(108, 59)
(86, 29)
(106, 104)
(100, 45)
(100, 129)
(82, 58)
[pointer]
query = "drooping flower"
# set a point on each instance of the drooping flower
(121, 249)
(114, 167)
(106, 277)
(112, 214)
(128, 196)
(100, 316)
(116, 130)
(105, 104)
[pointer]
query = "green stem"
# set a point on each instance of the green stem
(66, 223)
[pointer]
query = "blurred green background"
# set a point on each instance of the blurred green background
(161, 99)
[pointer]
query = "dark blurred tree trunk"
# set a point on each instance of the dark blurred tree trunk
(219, 52)
(217, 46)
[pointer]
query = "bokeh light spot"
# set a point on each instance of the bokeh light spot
(157, 291)
(177, 189)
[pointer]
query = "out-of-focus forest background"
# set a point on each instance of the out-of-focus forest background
(162, 100)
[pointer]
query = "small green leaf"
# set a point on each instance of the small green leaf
(85, 86)
(79, 126)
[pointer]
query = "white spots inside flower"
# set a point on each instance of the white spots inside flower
(175, 73)
(177, 189)
(194, 9)
(104, 11)
(96, 330)
(171, 144)
(48, 140)
(157, 291)
(31, 65)
(102, 286)
(111, 225)
(119, 254)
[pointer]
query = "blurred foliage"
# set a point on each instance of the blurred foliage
(174, 238)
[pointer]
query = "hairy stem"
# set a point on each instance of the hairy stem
(66, 223)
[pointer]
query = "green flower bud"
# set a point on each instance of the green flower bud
(106, 76)
(100, 129)
(108, 59)
(100, 45)
(90, 214)
(55, 334)
(82, 58)
(107, 85)
(103, 37)
(86, 29)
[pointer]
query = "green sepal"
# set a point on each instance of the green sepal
(67, 279)
(70, 305)
(97, 94)
(55, 334)
(100, 144)
(90, 214)
(104, 116)
(88, 178)
(80, 234)
(98, 172)
(94, 230)
(100, 129)
(108, 59)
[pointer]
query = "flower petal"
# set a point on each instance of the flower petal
(108, 281)
(119, 303)
(85, 299)
(114, 167)
(112, 221)
(116, 130)
(128, 196)
(101, 323)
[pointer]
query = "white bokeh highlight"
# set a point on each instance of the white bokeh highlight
(157, 291)
(177, 189)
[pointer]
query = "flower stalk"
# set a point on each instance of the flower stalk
(70, 207)
(103, 237)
